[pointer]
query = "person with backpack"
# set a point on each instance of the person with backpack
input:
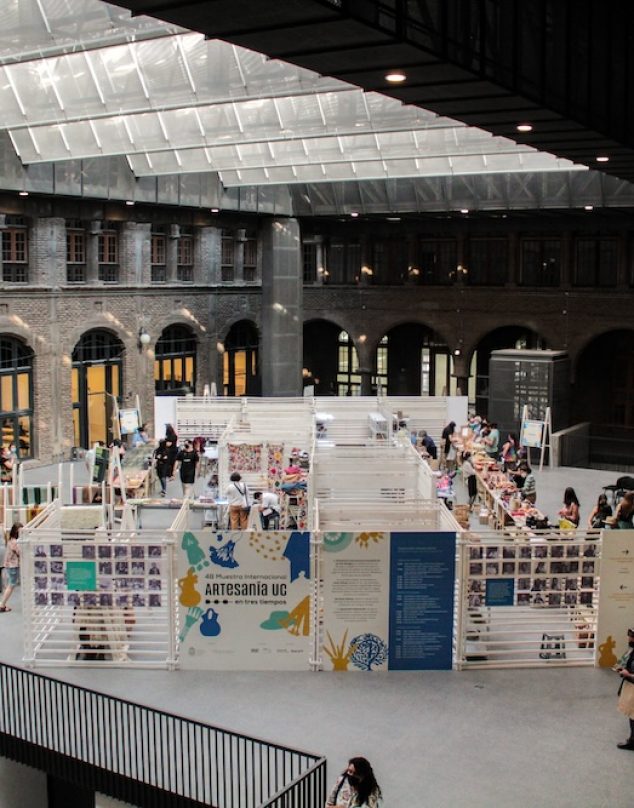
(237, 496)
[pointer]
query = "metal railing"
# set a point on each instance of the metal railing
(146, 756)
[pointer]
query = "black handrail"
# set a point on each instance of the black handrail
(146, 756)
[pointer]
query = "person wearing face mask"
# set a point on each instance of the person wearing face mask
(626, 690)
(355, 787)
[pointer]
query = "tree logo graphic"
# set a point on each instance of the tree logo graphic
(367, 650)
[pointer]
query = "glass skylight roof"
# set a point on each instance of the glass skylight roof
(79, 79)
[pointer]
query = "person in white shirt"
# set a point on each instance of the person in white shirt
(269, 505)
(237, 496)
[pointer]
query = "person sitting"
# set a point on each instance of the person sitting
(570, 511)
(529, 488)
(140, 436)
(428, 444)
(269, 507)
(6, 465)
(601, 511)
(625, 512)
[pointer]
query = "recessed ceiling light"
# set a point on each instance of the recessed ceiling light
(129, 203)
(394, 218)
(395, 77)
(215, 210)
(588, 207)
(464, 210)
(354, 214)
(23, 193)
(602, 158)
(524, 127)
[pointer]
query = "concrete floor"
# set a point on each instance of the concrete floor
(440, 739)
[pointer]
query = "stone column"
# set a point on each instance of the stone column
(47, 252)
(207, 256)
(134, 254)
(282, 309)
(367, 359)
(171, 254)
(92, 252)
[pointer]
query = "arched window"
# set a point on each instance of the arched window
(16, 395)
(348, 378)
(175, 361)
(240, 360)
(96, 387)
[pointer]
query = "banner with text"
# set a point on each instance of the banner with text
(616, 596)
(245, 600)
(388, 600)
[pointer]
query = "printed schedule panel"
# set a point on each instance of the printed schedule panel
(387, 600)
(422, 576)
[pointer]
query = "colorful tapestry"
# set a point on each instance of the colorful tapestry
(275, 463)
(245, 457)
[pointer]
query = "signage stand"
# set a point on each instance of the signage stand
(537, 435)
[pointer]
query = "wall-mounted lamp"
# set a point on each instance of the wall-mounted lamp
(144, 339)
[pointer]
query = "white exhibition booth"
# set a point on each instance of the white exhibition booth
(368, 572)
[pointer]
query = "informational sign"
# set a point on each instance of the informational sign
(616, 596)
(245, 600)
(532, 434)
(129, 421)
(387, 600)
(422, 569)
(500, 591)
(81, 576)
(356, 583)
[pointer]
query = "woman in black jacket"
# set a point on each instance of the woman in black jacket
(163, 463)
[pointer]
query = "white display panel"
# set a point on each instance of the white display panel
(245, 600)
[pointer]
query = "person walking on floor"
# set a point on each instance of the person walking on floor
(163, 464)
(626, 690)
(356, 786)
(11, 565)
(186, 462)
(237, 496)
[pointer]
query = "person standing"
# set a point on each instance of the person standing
(186, 462)
(356, 786)
(626, 690)
(11, 565)
(163, 464)
(492, 441)
(469, 475)
(237, 496)
(269, 506)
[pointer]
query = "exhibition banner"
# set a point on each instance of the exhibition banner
(245, 600)
(388, 600)
(616, 596)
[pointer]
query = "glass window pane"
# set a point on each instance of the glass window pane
(178, 370)
(6, 393)
(23, 391)
(24, 436)
(189, 371)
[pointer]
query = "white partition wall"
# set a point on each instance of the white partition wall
(94, 596)
(528, 601)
